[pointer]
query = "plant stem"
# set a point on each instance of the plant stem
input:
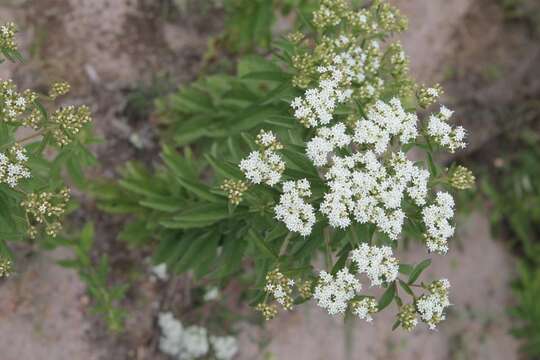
(328, 252)
(285, 244)
(348, 328)
(29, 137)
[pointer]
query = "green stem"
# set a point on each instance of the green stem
(348, 328)
(285, 244)
(328, 255)
(30, 137)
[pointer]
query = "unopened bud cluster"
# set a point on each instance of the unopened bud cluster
(235, 189)
(46, 208)
(462, 178)
(305, 289)
(5, 266)
(268, 311)
(68, 122)
(295, 37)
(59, 89)
(407, 317)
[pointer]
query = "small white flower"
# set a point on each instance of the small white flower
(211, 294)
(225, 347)
(263, 167)
(293, 210)
(431, 306)
(443, 133)
(334, 293)
(160, 271)
(437, 218)
(377, 263)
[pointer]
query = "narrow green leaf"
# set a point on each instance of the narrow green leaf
(418, 269)
(262, 245)
(387, 297)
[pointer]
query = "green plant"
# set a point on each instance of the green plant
(249, 23)
(105, 298)
(515, 195)
(331, 178)
(527, 311)
(36, 145)
(218, 108)
(527, 10)
(513, 191)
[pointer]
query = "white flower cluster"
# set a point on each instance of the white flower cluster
(377, 263)
(431, 307)
(297, 215)
(384, 121)
(12, 166)
(265, 165)
(327, 140)
(443, 133)
(370, 185)
(192, 342)
(211, 294)
(436, 218)
(13, 103)
(334, 293)
(317, 106)
(225, 347)
(362, 186)
(281, 288)
(364, 308)
(160, 271)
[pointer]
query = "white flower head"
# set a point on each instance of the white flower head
(225, 347)
(263, 167)
(293, 210)
(437, 218)
(333, 293)
(377, 263)
(432, 306)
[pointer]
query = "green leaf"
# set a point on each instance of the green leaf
(279, 76)
(406, 287)
(191, 256)
(201, 191)
(340, 263)
(87, 237)
(163, 203)
(387, 297)
(262, 245)
(225, 169)
(418, 269)
(432, 167)
(198, 216)
(405, 268)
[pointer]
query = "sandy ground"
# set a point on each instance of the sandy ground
(105, 46)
